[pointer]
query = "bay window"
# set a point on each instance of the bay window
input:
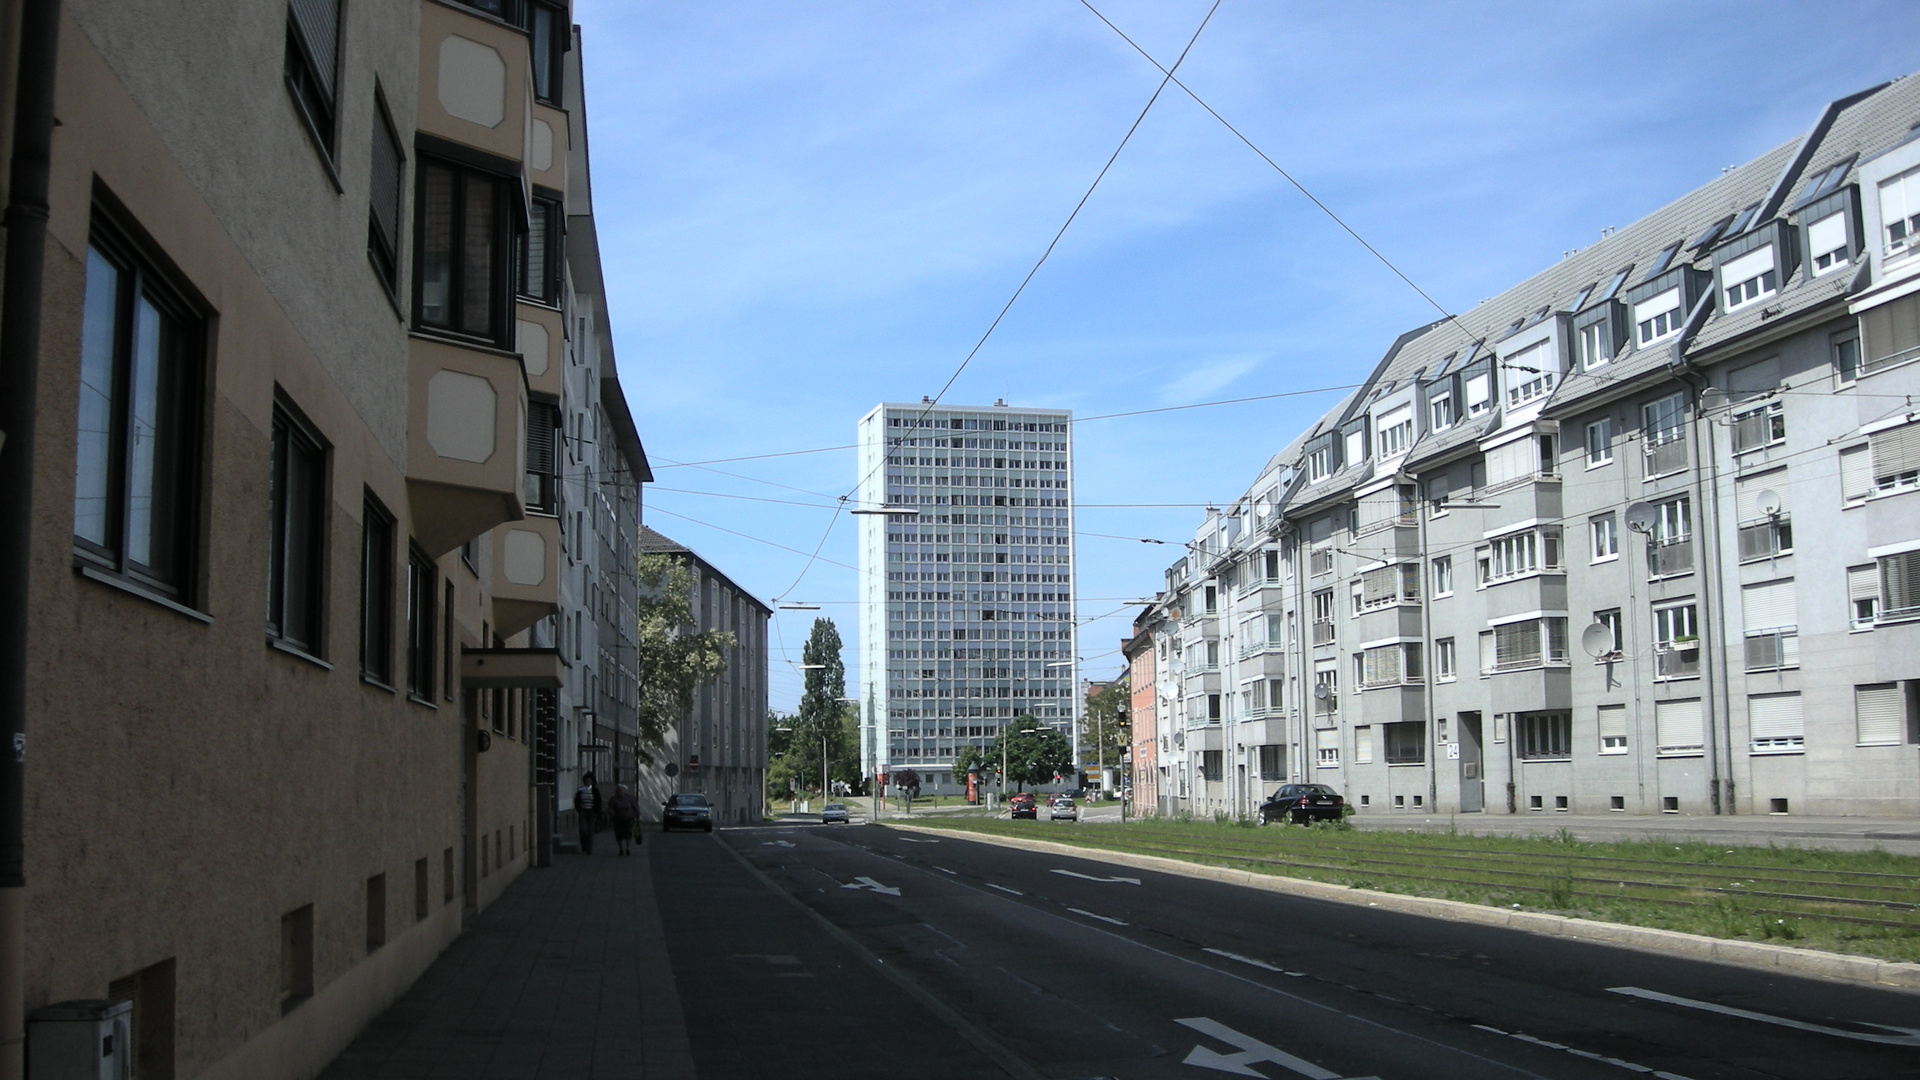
(463, 231)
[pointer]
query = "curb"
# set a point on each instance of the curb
(1863, 970)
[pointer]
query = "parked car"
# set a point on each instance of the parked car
(1023, 805)
(1064, 810)
(690, 811)
(833, 812)
(1301, 803)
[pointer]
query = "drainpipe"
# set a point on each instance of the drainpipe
(1706, 497)
(20, 306)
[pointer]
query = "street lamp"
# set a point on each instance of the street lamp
(888, 511)
(799, 607)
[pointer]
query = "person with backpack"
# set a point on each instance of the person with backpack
(586, 810)
(624, 809)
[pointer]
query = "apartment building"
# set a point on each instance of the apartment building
(316, 335)
(1545, 559)
(721, 748)
(1143, 761)
(966, 592)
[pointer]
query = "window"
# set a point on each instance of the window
(420, 624)
(296, 533)
(1863, 595)
(312, 65)
(1327, 701)
(549, 46)
(1270, 565)
(1524, 643)
(1879, 714)
(1396, 431)
(386, 192)
(460, 271)
(1827, 247)
(1774, 723)
(1363, 745)
(1846, 358)
(1443, 576)
(1518, 554)
(1900, 211)
(1671, 552)
(1210, 761)
(1323, 617)
(1676, 641)
(1771, 617)
(542, 493)
(1896, 457)
(1658, 317)
(1479, 393)
(1319, 464)
(1406, 743)
(1326, 748)
(1617, 633)
(1443, 660)
(1599, 443)
(1665, 426)
(1389, 665)
(1543, 735)
(1765, 529)
(1900, 586)
(1613, 729)
(376, 592)
(135, 502)
(1856, 473)
(1440, 411)
(1763, 425)
(1389, 585)
(1530, 374)
(1273, 762)
(541, 257)
(1749, 277)
(1606, 537)
(1592, 345)
(1677, 728)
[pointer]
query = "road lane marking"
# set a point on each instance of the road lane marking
(1251, 1050)
(943, 869)
(1630, 1066)
(911, 840)
(1105, 880)
(1907, 1036)
(775, 843)
(1004, 889)
(869, 883)
(1091, 915)
(1262, 964)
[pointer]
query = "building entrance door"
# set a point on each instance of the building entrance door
(1473, 792)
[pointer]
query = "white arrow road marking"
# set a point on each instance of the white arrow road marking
(869, 883)
(1107, 880)
(1255, 963)
(1251, 1050)
(775, 843)
(1907, 1036)
(1091, 915)
(1004, 889)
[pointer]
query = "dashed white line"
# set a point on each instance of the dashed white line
(943, 869)
(1588, 1054)
(1262, 964)
(1004, 889)
(1091, 915)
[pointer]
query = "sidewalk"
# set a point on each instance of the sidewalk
(1899, 836)
(566, 975)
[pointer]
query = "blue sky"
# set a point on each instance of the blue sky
(806, 209)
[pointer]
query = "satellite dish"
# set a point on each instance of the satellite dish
(1320, 691)
(1713, 398)
(1597, 640)
(1263, 510)
(1642, 517)
(1768, 503)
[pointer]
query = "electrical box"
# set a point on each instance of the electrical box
(80, 1040)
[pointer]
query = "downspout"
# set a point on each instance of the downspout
(20, 308)
(1718, 722)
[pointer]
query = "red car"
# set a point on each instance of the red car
(1023, 806)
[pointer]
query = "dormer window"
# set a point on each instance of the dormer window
(1900, 211)
(1827, 246)
(1740, 223)
(1319, 464)
(1530, 374)
(1396, 431)
(1440, 411)
(1827, 182)
(1356, 446)
(1665, 259)
(1749, 277)
(1592, 347)
(1619, 279)
(1657, 317)
(1479, 393)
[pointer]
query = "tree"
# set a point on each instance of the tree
(1103, 730)
(972, 757)
(822, 714)
(782, 778)
(1035, 753)
(671, 659)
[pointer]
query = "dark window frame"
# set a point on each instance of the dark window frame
(292, 434)
(314, 81)
(548, 70)
(467, 172)
(383, 240)
(422, 624)
(550, 235)
(379, 537)
(147, 280)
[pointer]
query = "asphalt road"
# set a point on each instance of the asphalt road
(994, 961)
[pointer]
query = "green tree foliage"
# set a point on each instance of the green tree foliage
(972, 757)
(822, 714)
(781, 778)
(671, 657)
(1034, 752)
(1103, 730)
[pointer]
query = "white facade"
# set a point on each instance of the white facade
(967, 611)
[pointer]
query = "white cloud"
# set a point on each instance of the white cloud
(1199, 383)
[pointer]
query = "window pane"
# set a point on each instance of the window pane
(436, 245)
(94, 458)
(146, 484)
(477, 258)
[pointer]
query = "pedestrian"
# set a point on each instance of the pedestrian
(586, 811)
(625, 810)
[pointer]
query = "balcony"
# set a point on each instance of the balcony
(1676, 660)
(1323, 633)
(475, 85)
(1772, 650)
(526, 573)
(1670, 558)
(466, 419)
(1669, 455)
(511, 669)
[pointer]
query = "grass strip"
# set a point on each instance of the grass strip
(1859, 902)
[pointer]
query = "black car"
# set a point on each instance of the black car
(691, 811)
(1301, 803)
(1023, 805)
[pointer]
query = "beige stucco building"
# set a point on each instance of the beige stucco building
(310, 346)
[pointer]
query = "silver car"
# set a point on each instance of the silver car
(1064, 810)
(833, 812)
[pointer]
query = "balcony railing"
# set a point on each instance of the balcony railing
(1772, 650)
(1666, 456)
(1256, 646)
(1676, 661)
(1320, 562)
(1323, 633)
(1670, 558)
